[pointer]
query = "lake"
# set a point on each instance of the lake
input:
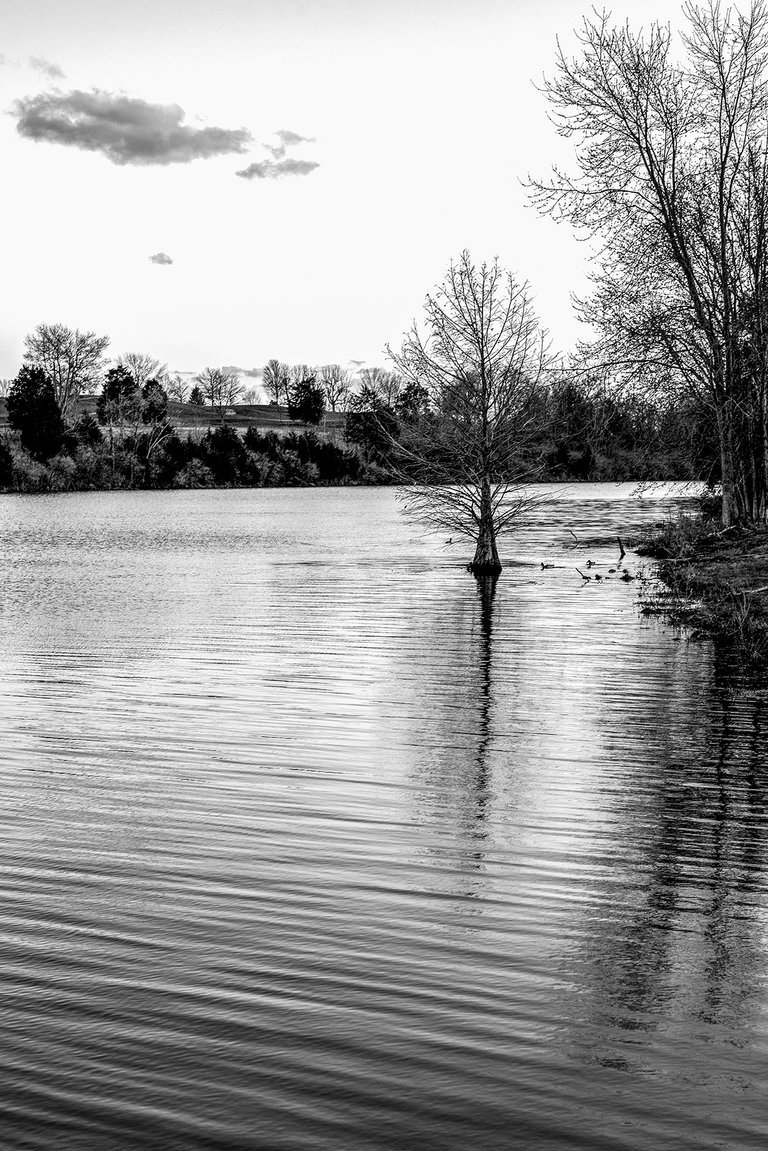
(305, 843)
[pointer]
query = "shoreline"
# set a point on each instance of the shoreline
(715, 582)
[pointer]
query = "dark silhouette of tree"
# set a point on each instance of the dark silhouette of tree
(225, 454)
(119, 409)
(34, 413)
(154, 402)
(154, 417)
(306, 402)
(481, 359)
(371, 425)
(87, 430)
(119, 404)
(73, 360)
(196, 396)
(672, 178)
(412, 403)
(6, 466)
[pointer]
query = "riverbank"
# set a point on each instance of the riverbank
(715, 582)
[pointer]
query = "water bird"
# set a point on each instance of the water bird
(626, 577)
(543, 566)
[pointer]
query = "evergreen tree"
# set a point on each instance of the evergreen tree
(307, 402)
(34, 413)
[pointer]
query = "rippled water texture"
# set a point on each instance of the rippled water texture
(305, 845)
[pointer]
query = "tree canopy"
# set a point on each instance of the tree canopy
(479, 359)
(72, 360)
(672, 177)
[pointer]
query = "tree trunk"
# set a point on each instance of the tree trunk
(486, 561)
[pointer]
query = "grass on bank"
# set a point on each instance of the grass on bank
(715, 581)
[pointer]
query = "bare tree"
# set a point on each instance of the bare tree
(480, 359)
(300, 374)
(334, 381)
(221, 389)
(72, 359)
(5, 387)
(143, 367)
(382, 383)
(673, 178)
(177, 388)
(276, 379)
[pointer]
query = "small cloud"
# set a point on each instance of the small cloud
(291, 139)
(287, 140)
(40, 64)
(160, 258)
(276, 169)
(124, 129)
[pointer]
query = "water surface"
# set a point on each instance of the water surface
(306, 843)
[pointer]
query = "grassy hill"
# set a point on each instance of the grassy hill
(197, 418)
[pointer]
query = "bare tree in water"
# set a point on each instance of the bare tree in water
(480, 359)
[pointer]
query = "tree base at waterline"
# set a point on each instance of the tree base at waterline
(485, 569)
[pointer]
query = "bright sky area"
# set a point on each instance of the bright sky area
(407, 128)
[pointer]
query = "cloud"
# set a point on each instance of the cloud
(160, 258)
(252, 373)
(124, 129)
(291, 139)
(287, 140)
(40, 64)
(276, 169)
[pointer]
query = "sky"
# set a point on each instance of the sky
(216, 184)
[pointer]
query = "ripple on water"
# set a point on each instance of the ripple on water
(305, 843)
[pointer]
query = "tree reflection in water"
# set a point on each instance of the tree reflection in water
(673, 944)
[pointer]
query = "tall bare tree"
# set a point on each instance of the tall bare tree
(334, 381)
(672, 177)
(480, 358)
(276, 380)
(73, 360)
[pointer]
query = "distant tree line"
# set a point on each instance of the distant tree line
(578, 427)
